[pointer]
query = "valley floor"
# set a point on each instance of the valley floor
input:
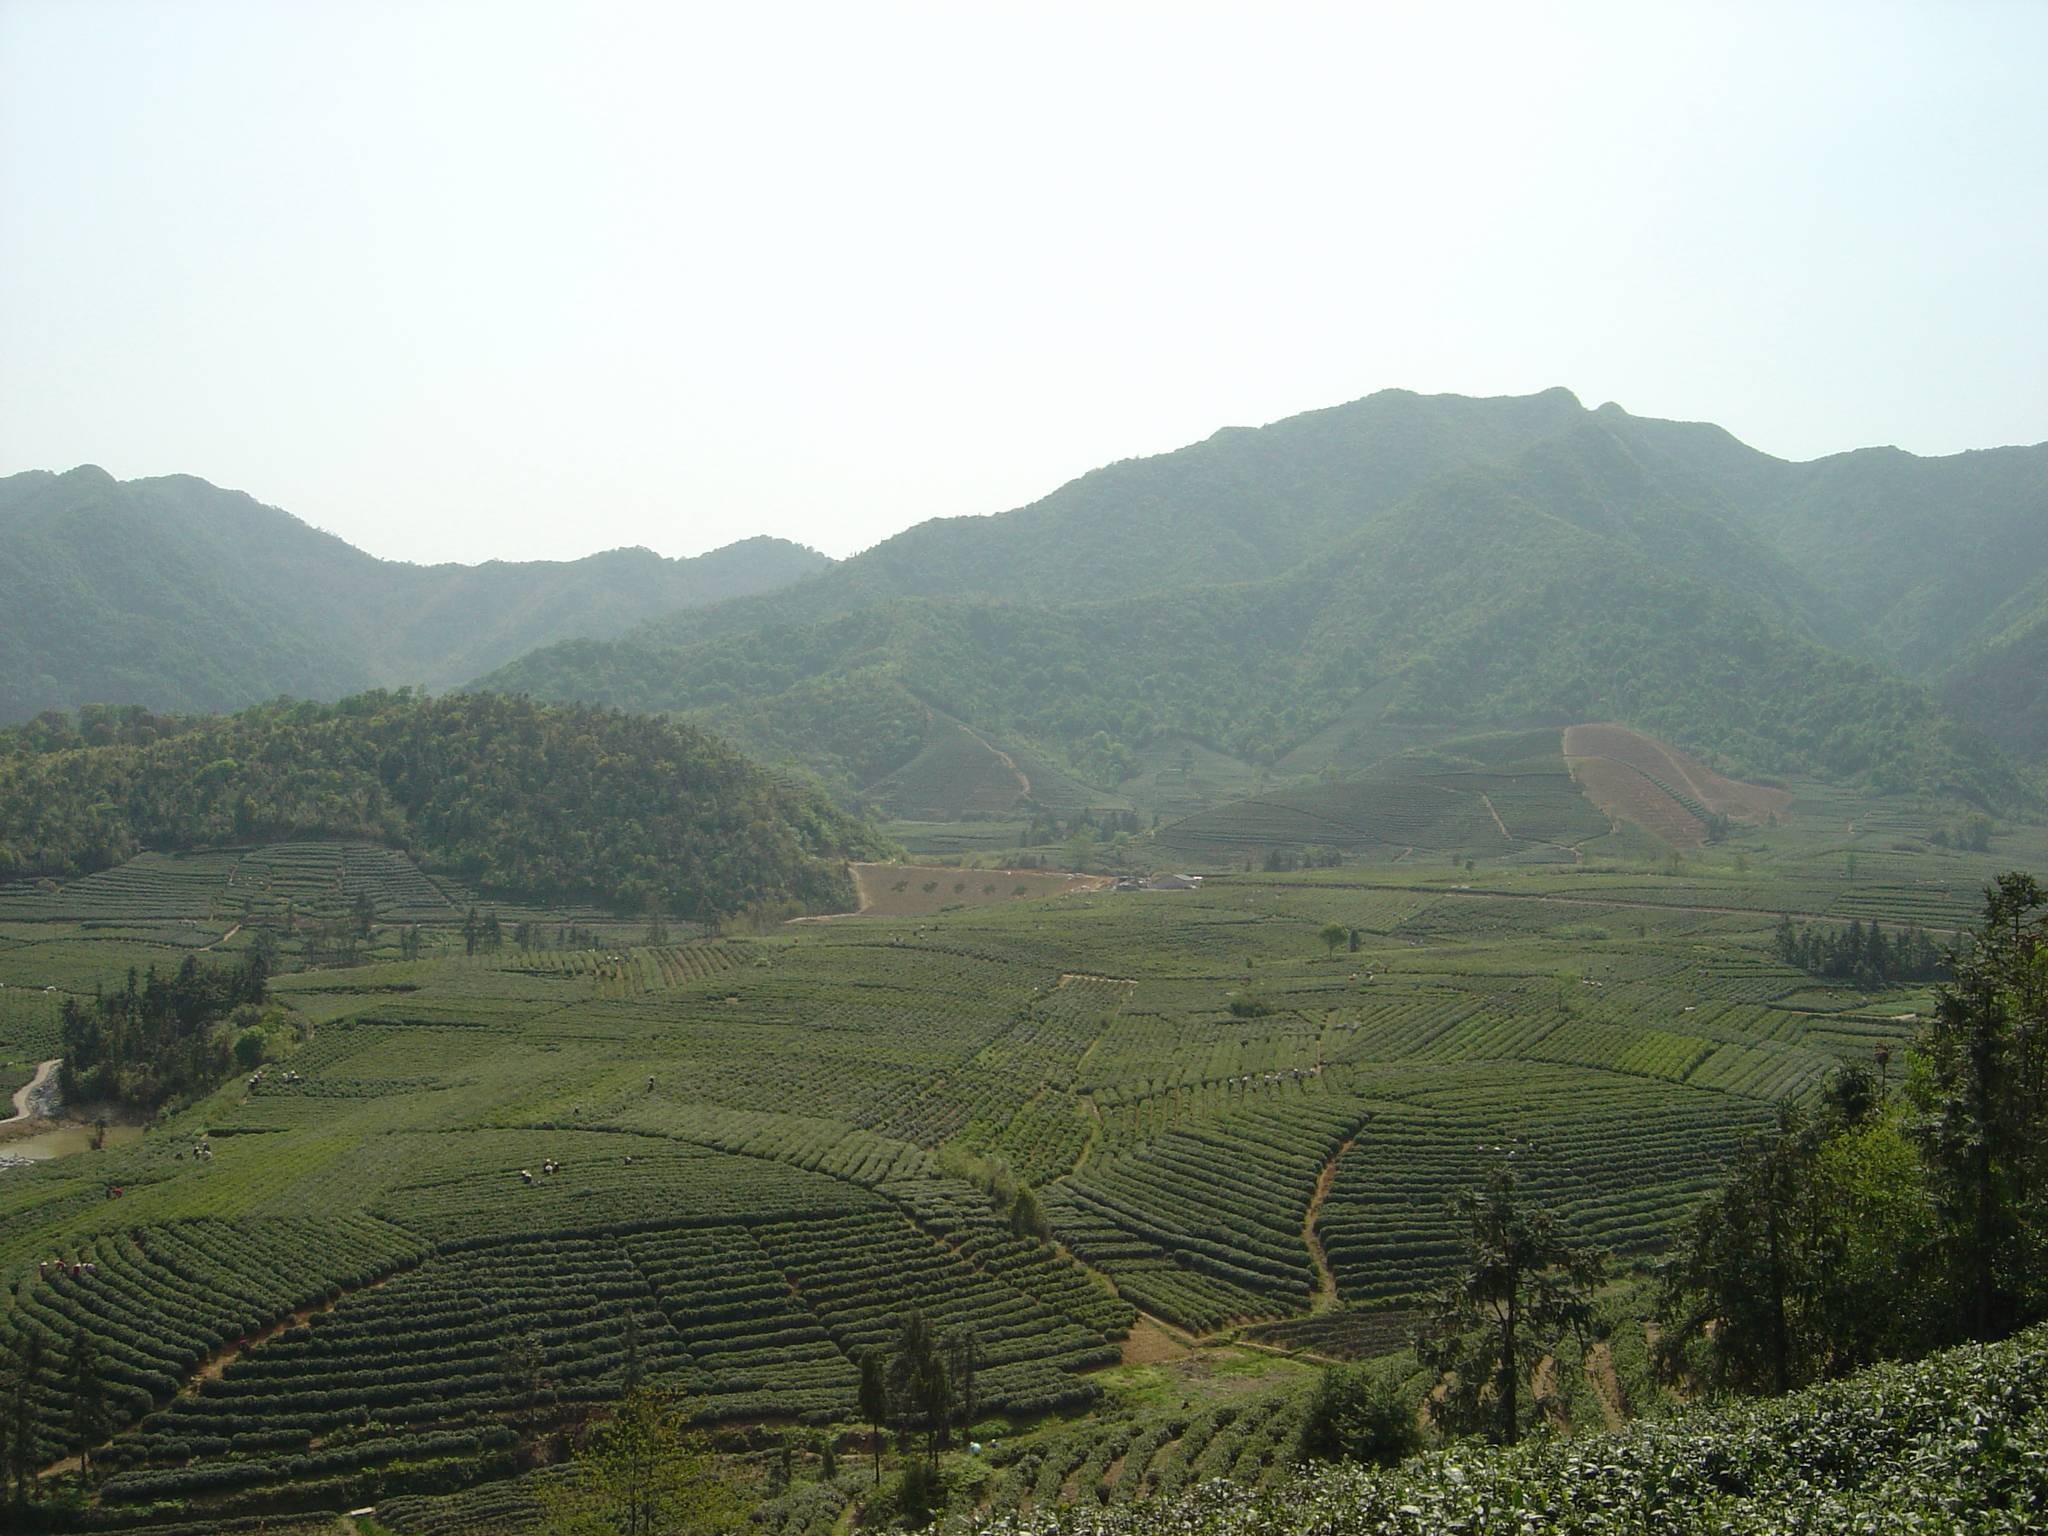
(763, 1148)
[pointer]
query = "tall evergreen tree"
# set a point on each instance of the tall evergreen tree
(87, 1395)
(874, 1399)
(1741, 1269)
(1985, 1103)
(633, 1368)
(963, 1365)
(25, 1389)
(920, 1388)
(1522, 1284)
(644, 1472)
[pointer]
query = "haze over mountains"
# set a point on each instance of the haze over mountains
(1317, 592)
(178, 595)
(1298, 598)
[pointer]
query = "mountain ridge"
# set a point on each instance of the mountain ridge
(1586, 574)
(1385, 568)
(174, 593)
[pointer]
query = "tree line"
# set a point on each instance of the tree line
(1858, 953)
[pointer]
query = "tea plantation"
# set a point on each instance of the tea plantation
(730, 1162)
(1952, 1443)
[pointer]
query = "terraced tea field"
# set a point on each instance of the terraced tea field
(1490, 797)
(750, 1153)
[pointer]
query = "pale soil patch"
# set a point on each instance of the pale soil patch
(1114, 1472)
(1753, 803)
(1620, 793)
(880, 897)
(1150, 1344)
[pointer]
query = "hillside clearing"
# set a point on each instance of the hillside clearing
(925, 890)
(1638, 779)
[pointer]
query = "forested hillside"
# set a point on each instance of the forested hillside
(1241, 505)
(174, 594)
(545, 802)
(1925, 550)
(1999, 685)
(1303, 597)
(1588, 576)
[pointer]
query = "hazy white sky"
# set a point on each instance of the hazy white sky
(496, 279)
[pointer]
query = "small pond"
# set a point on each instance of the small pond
(62, 1141)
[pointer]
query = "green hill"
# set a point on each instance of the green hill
(545, 802)
(1588, 576)
(177, 595)
(1241, 505)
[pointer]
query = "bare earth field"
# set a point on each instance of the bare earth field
(1638, 779)
(924, 890)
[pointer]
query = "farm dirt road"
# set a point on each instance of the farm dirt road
(28, 1092)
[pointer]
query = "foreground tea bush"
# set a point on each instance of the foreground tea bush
(1957, 1443)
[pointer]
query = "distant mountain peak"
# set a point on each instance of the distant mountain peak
(1367, 572)
(178, 594)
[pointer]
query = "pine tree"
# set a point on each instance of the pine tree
(88, 1395)
(1743, 1267)
(644, 1472)
(1522, 1285)
(25, 1388)
(874, 1399)
(963, 1362)
(920, 1388)
(1027, 1215)
(1985, 1100)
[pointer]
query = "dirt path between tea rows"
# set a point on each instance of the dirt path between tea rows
(1326, 1278)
